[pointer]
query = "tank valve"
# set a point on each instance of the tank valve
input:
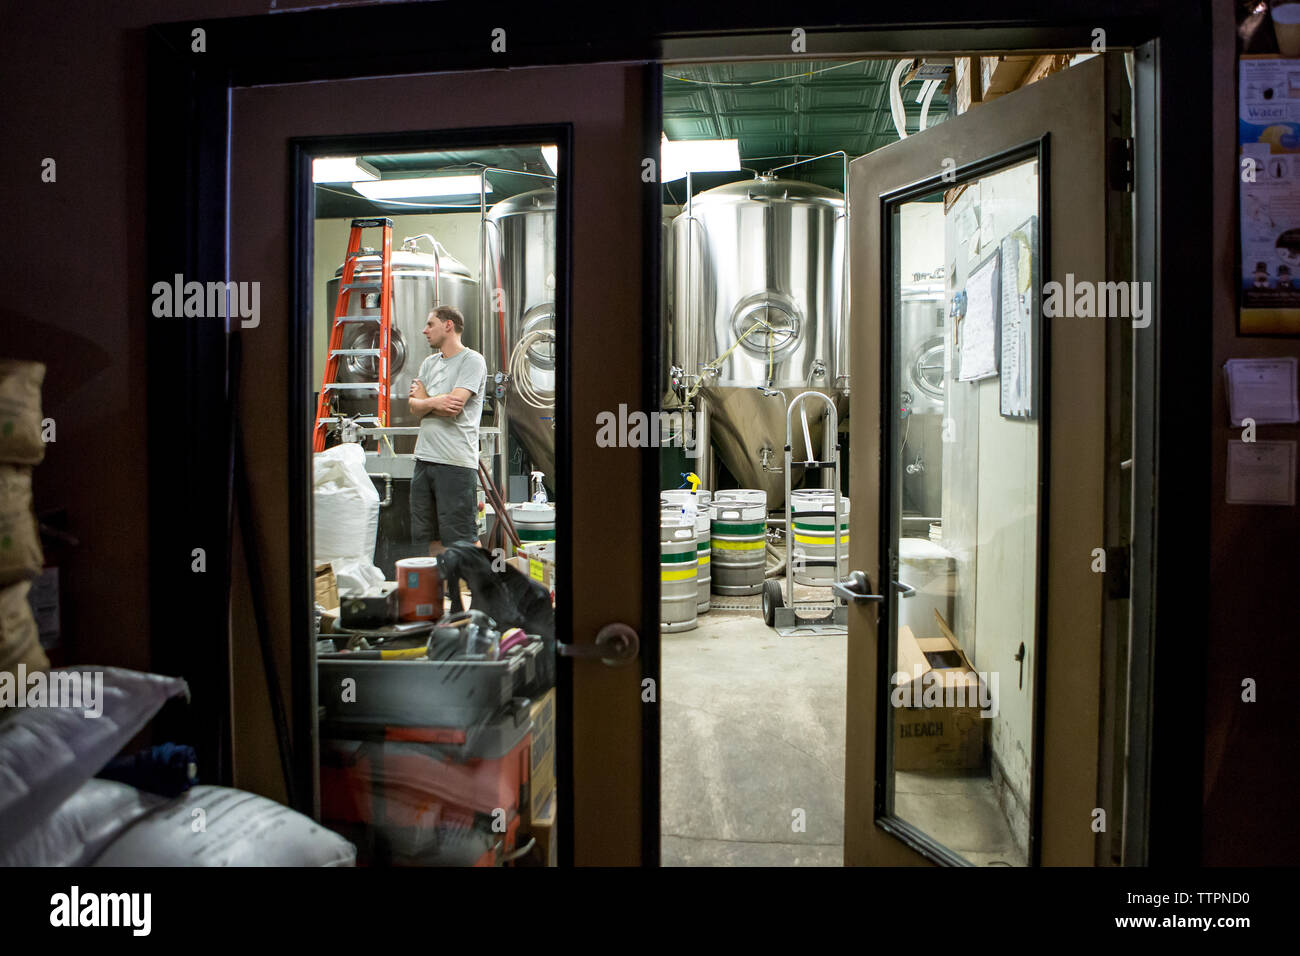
(819, 368)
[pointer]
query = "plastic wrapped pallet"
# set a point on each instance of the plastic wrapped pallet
(20, 640)
(20, 412)
(20, 543)
(347, 506)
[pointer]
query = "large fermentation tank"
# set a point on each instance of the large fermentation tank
(760, 298)
(519, 323)
(921, 356)
(421, 281)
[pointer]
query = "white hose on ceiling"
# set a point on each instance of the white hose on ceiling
(932, 87)
(896, 98)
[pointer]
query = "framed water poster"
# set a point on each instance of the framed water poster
(1268, 138)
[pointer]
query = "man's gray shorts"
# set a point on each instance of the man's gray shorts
(444, 504)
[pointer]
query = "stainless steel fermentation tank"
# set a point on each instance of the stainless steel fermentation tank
(921, 354)
(519, 318)
(759, 316)
(421, 281)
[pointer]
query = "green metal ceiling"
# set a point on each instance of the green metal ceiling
(781, 111)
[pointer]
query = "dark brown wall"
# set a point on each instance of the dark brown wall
(74, 76)
(1251, 775)
(74, 82)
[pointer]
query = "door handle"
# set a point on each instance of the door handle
(616, 644)
(856, 588)
(904, 590)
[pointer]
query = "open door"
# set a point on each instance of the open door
(984, 531)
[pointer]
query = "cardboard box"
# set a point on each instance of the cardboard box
(1002, 74)
(542, 757)
(542, 829)
(541, 563)
(327, 588)
(966, 82)
(938, 723)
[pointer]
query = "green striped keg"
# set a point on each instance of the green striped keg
(739, 523)
(696, 502)
(677, 564)
(813, 513)
(534, 522)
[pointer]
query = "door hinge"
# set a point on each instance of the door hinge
(1121, 163)
(1117, 572)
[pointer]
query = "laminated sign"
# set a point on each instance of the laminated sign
(1269, 137)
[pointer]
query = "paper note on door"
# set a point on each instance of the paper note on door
(1263, 390)
(1261, 472)
(979, 327)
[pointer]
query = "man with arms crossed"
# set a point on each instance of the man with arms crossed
(448, 397)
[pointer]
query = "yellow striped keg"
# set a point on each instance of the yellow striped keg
(677, 564)
(813, 513)
(696, 502)
(739, 524)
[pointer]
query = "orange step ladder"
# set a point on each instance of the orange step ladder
(326, 414)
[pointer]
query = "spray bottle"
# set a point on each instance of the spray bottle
(538, 490)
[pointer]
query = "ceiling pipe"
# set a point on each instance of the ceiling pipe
(925, 103)
(896, 98)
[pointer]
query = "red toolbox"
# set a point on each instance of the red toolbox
(428, 795)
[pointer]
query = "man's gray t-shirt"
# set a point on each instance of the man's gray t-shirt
(452, 441)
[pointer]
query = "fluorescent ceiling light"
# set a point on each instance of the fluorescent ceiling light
(341, 169)
(552, 156)
(680, 157)
(421, 187)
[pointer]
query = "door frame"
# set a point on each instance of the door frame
(186, 128)
(1038, 150)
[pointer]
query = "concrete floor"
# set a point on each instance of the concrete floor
(753, 730)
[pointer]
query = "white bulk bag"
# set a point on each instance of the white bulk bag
(217, 826)
(347, 505)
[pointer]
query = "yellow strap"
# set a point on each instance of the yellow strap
(719, 544)
(676, 575)
(820, 539)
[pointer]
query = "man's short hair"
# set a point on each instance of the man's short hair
(449, 313)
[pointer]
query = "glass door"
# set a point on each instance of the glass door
(989, 279)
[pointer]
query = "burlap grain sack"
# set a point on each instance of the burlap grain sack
(20, 544)
(20, 641)
(20, 412)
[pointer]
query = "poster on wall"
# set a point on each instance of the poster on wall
(1268, 135)
(977, 343)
